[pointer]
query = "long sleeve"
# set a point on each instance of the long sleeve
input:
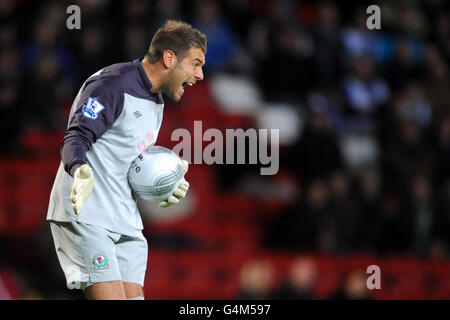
(97, 109)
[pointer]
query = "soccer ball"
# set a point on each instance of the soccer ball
(155, 173)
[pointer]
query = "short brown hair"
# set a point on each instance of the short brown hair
(177, 36)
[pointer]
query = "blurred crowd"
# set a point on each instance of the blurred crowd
(258, 278)
(369, 152)
(373, 158)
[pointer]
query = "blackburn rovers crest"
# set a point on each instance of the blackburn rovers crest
(100, 261)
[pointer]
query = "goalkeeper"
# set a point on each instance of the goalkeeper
(94, 220)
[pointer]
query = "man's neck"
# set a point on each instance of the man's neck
(151, 70)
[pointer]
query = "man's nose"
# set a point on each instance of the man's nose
(199, 74)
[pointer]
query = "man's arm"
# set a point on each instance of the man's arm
(96, 112)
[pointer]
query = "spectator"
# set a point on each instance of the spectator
(256, 282)
(365, 94)
(135, 42)
(44, 92)
(92, 49)
(222, 44)
(437, 84)
(441, 236)
(415, 106)
(344, 214)
(10, 109)
(164, 10)
(45, 41)
(357, 40)
(443, 151)
(327, 45)
(405, 65)
(369, 194)
(310, 227)
(289, 60)
(394, 236)
(407, 153)
(317, 152)
(353, 287)
(422, 215)
(301, 282)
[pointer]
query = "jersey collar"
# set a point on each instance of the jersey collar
(146, 81)
(144, 77)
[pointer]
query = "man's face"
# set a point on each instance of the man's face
(186, 72)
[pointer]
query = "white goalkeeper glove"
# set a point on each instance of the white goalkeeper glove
(179, 192)
(83, 183)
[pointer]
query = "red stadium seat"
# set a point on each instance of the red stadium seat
(42, 143)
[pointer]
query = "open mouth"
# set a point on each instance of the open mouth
(184, 84)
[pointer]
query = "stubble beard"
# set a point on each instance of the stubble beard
(170, 87)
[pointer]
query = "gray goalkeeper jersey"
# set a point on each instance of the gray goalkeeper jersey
(114, 117)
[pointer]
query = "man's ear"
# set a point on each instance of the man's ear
(169, 59)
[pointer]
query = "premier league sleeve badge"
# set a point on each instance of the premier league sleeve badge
(92, 108)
